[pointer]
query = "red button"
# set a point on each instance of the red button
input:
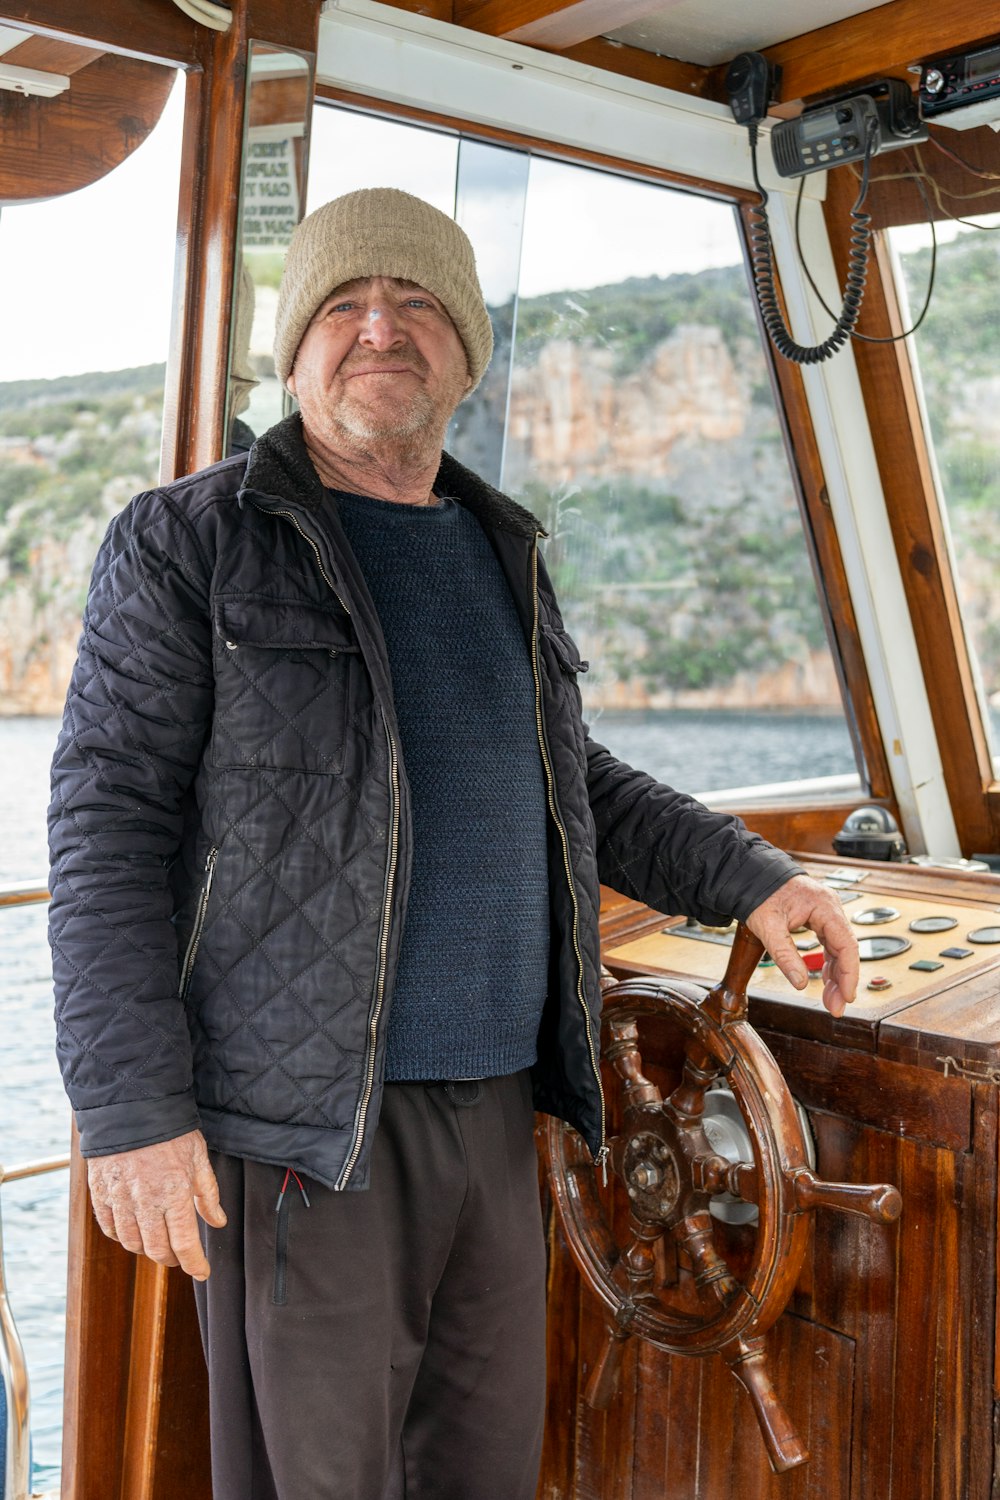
(814, 961)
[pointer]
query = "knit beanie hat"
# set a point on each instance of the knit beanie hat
(380, 232)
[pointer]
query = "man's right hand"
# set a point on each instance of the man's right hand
(146, 1200)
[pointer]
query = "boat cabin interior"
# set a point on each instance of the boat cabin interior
(746, 295)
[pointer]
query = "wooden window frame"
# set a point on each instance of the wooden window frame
(915, 517)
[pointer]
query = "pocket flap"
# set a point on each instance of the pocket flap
(284, 625)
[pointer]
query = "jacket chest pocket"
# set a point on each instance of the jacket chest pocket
(285, 673)
(563, 666)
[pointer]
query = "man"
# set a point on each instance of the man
(327, 832)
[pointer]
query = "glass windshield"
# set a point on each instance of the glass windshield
(629, 408)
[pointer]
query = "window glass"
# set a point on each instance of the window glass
(351, 150)
(88, 282)
(642, 430)
(954, 352)
(629, 406)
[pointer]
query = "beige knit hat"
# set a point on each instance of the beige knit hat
(381, 232)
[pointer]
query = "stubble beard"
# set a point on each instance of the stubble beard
(413, 422)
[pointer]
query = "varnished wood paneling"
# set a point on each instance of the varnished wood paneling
(58, 145)
(924, 1106)
(880, 41)
(977, 1249)
(551, 23)
(810, 830)
(100, 1284)
(48, 55)
(133, 27)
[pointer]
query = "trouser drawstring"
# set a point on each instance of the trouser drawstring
(289, 1172)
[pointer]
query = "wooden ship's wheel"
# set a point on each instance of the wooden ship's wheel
(656, 1266)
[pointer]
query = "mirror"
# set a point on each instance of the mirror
(272, 195)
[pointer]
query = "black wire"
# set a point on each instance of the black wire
(762, 262)
(868, 338)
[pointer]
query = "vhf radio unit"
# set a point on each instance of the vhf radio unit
(884, 117)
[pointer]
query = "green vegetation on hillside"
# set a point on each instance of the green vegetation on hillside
(635, 315)
(680, 582)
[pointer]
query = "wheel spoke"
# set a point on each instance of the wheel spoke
(712, 1278)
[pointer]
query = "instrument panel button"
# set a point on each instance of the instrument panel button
(881, 947)
(984, 935)
(933, 924)
(956, 952)
(927, 965)
(879, 982)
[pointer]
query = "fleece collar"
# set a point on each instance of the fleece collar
(279, 466)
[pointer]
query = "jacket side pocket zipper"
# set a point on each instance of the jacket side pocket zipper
(199, 922)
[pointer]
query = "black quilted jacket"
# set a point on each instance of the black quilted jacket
(230, 830)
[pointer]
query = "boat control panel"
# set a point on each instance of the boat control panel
(918, 934)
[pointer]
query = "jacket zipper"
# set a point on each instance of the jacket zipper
(550, 779)
(383, 962)
(361, 1113)
(199, 922)
(290, 516)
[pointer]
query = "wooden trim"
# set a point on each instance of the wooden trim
(145, 1383)
(50, 56)
(551, 23)
(828, 564)
(195, 393)
(100, 1280)
(647, 67)
(59, 145)
(880, 41)
(914, 513)
(538, 145)
(158, 33)
(208, 222)
(807, 829)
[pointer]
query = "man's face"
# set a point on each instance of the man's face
(381, 360)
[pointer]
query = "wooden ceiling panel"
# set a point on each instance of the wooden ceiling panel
(551, 23)
(880, 42)
(47, 55)
(55, 146)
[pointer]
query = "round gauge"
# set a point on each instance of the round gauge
(883, 947)
(985, 935)
(933, 924)
(873, 915)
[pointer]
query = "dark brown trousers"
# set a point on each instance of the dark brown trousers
(388, 1344)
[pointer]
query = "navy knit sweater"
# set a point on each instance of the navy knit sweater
(473, 966)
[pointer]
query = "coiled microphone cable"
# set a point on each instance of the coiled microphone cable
(762, 262)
